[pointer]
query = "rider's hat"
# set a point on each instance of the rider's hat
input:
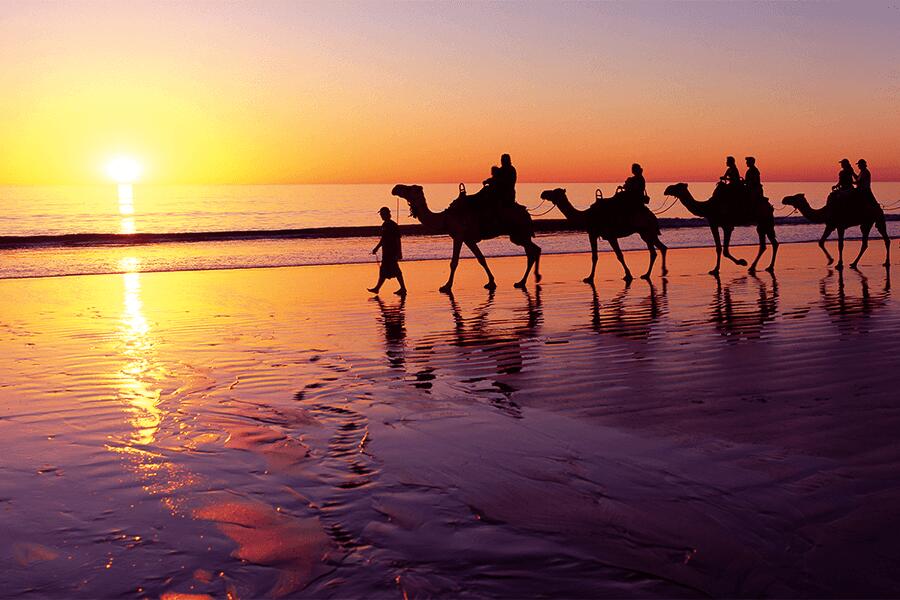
(862, 162)
(845, 162)
(384, 209)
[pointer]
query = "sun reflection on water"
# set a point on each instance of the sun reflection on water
(136, 386)
(126, 208)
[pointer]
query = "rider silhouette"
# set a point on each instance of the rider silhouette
(846, 177)
(752, 179)
(864, 181)
(732, 175)
(503, 180)
(635, 187)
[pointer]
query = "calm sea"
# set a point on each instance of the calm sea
(33, 211)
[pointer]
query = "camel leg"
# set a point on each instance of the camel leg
(537, 262)
(825, 234)
(479, 256)
(529, 253)
(864, 229)
(840, 262)
(882, 229)
(663, 249)
(454, 262)
(715, 234)
(774, 240)
(727, 250)
(762, 249)
(615, 246)
(590, 278)
(652, 249)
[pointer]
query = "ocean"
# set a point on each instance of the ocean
(40, 216)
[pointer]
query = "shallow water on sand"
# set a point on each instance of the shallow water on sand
(276, 432)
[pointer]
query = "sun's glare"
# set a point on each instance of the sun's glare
(123, 169)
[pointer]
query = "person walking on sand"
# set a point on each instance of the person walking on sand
(391, 253)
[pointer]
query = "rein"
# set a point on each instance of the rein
(666, 209)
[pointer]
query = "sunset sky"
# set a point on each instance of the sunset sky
(277, 92)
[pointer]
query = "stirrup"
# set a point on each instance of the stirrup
(462, 189)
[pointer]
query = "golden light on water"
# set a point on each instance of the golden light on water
(125, 170)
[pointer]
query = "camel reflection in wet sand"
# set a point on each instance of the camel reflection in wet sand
(740, 318)
(624, 317)
(484, 354)
(849, 312)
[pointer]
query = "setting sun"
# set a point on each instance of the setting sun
(123, 169)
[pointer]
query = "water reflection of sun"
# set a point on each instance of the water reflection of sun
(137, 388)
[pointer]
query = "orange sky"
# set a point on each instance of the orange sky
(271, 92)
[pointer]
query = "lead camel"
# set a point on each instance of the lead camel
(468, 222)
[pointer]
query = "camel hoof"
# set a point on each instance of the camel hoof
(839, 267)
(751, 270)
(665, 272)
(538, 277)
(490, 285)
(444, 289)
(646, 276)
(519, 284)
(854, 266)
(885, 264)
(588, 280)
(770, 270)
(628, 277)
(741, 262)
(714, 272)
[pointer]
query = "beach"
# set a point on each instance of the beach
(278, 431)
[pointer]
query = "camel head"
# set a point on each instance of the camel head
(555, 196)
(796, 200)
(679, 190)
(413, 195)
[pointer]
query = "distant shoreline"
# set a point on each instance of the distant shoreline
(363, 231)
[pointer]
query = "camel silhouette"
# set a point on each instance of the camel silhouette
(466, 222)
(841, 213)
(725, 213)
(612, 219)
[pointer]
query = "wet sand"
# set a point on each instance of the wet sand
(274, 432)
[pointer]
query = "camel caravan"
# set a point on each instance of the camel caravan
(736, 202)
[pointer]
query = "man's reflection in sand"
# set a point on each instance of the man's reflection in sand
(626, 315)
(740, 318)
(393, 319)
(847, 310)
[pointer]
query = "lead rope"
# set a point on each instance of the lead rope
(666, 209)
